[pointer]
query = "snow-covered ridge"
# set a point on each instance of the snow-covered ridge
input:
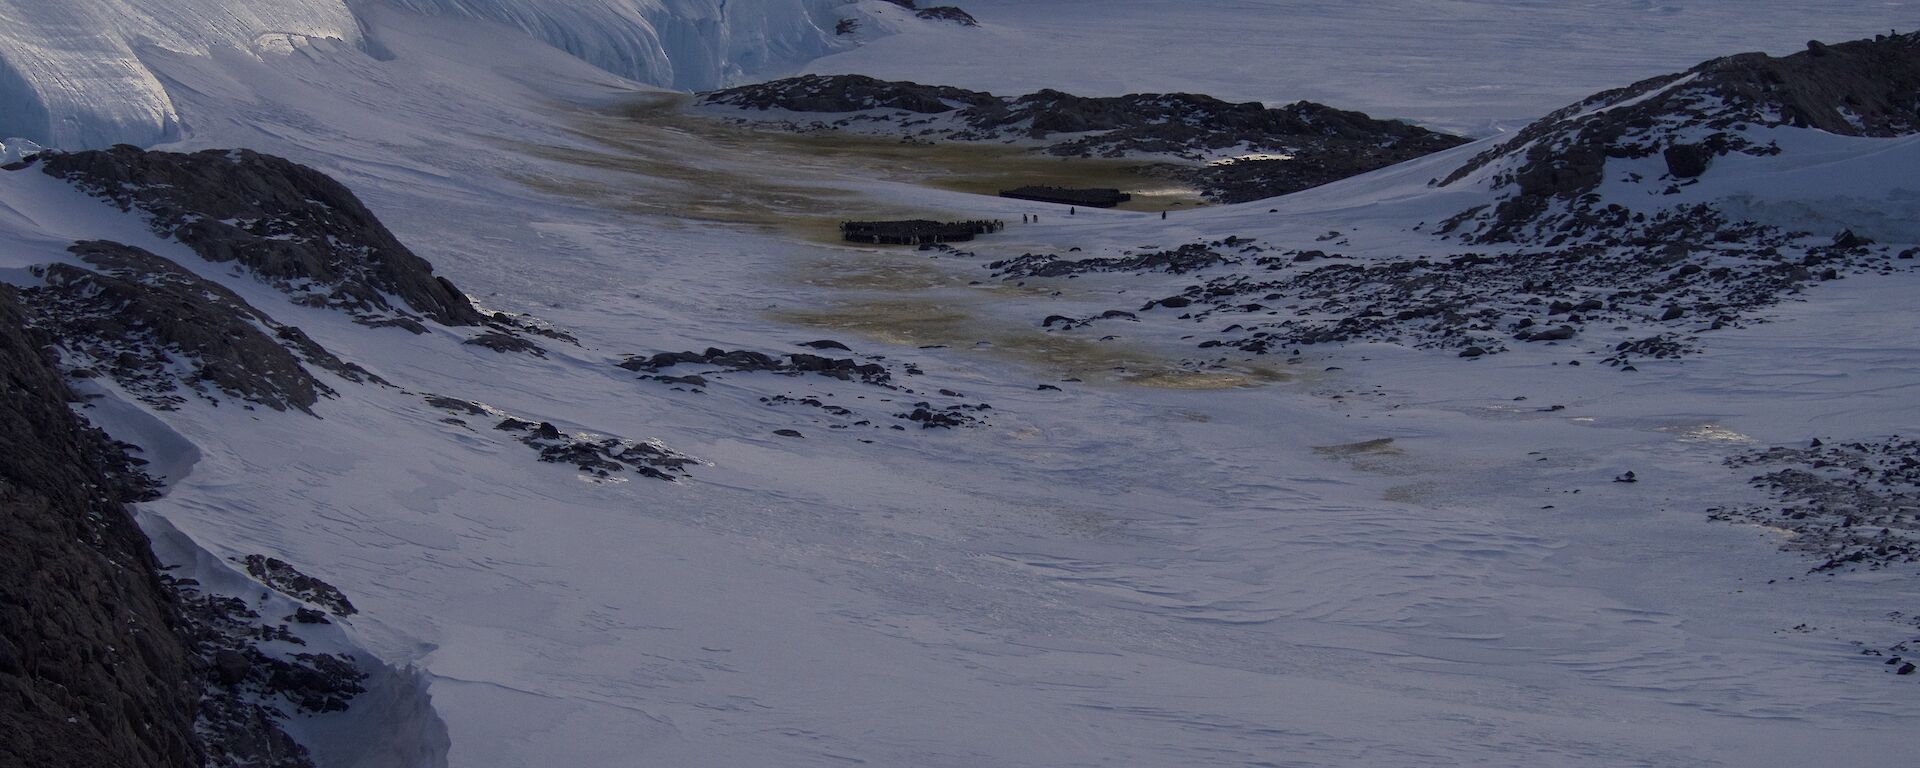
(73, 74)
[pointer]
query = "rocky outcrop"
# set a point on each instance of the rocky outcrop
(849, 93)
(796, 364)
(291, 226)
(156, 329)
(95, 669)
(1273, 150)
(938, 13)
(1548, 170)
(1191, 257)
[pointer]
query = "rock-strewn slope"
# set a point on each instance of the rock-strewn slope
(155, 327)
(291, 226)
(95, 669)
(1264, 151)
(1548, 173)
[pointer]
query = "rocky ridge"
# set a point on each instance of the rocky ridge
(1547, 173)
(291, 226)
(1235, 152)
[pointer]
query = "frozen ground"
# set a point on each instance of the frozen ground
(1151, 566)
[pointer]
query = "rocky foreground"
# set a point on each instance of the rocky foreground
(108, 658)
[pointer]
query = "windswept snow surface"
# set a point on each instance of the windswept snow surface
(1106, 574)
(1465, 66)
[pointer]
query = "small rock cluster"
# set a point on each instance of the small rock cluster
(601, 457)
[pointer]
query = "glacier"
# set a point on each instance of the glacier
(72, 75)
(77, 74)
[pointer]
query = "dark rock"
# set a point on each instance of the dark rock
(1473, 352)
(231, 667)
(947, 13)
(1686, 161)
(826, 344)
(788, 433)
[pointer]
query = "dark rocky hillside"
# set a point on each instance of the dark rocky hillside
(291, 226)
(95, 667)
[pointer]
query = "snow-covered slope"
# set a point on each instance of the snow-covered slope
(1369, 553)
